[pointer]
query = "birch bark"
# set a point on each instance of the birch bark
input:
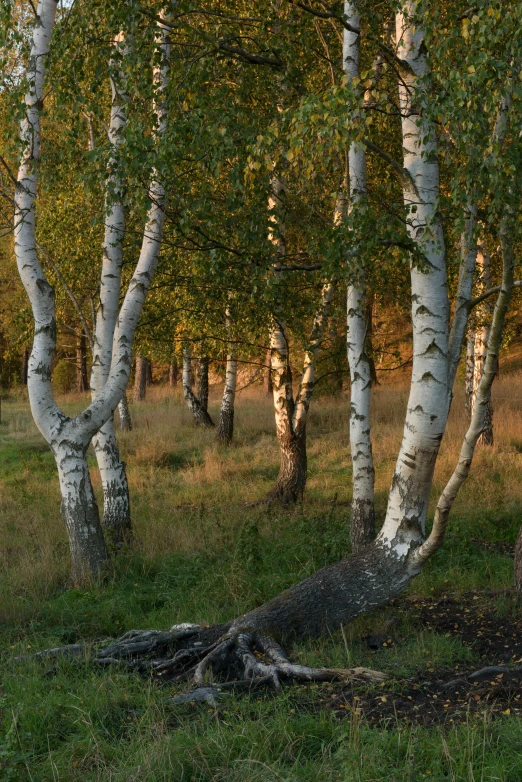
(362, 528)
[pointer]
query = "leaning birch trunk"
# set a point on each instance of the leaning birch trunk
(69, 438)
(201, 417)
(225, 430)
(482, 319)
(362, 528)
(116, 517)
(140, 379)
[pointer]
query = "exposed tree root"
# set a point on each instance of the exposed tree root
(238, 660)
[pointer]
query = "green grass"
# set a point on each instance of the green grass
(200, 556)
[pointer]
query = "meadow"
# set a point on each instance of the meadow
(200, 555)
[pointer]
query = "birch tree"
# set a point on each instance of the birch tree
(67, 437)
(225, 429)
(362, 525)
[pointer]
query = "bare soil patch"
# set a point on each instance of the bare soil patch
(492, 630)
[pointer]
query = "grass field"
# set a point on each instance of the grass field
(200, 556)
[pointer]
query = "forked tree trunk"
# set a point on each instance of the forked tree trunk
(362, 527)
(82, 382)
(202, 382)
(124, 413)
(69, 438)
(173, 374)
(201, 416)
(225, 430)
(140, 379)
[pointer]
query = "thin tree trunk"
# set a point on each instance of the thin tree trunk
(124, 413)
(82, 382)
(140, 379)
(362, 528)
(150, 380)
(482, 330)
(201, 417)
(225, 430)
(470, 371)
(173, 373)
(202, 382)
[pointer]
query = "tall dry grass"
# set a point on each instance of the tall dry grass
(187, 492)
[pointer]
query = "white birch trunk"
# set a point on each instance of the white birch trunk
(428, 403)
(480, 348)
(362, 529)
(116, 501)
(225, 430)
(69, 438)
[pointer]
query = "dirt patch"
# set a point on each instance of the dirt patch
(449, 694)
(477, 620)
